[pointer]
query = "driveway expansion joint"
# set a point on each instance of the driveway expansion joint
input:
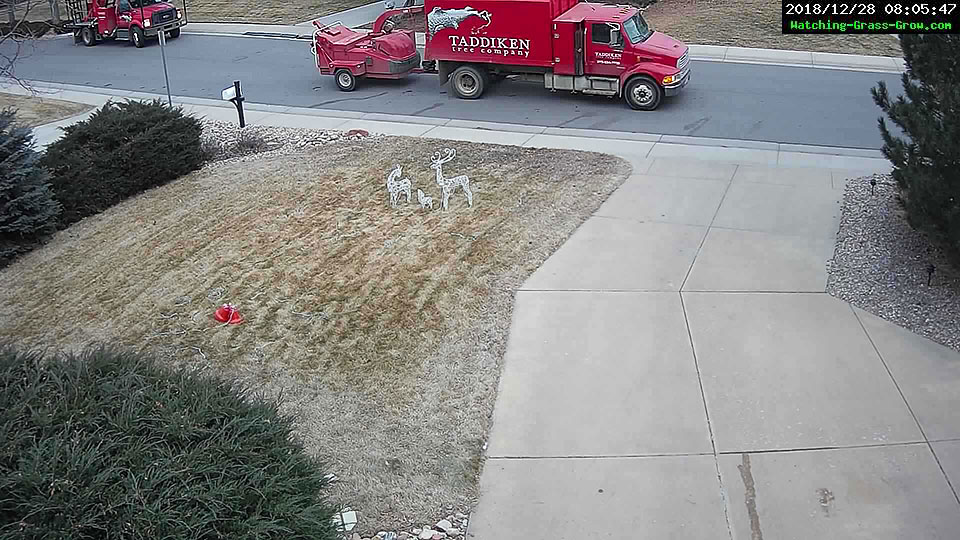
(706, 412)
(905, 402)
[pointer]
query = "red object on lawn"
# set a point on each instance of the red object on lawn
(228, 314)
(360, 132)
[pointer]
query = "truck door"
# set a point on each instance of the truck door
(578, 50)
(106, 16)
(604, 49)
(124, 14)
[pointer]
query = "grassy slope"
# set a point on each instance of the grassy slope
(33, 111)
(383, 328)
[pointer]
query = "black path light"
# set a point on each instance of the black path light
(930, 270)
(233, 94)
(873, 185)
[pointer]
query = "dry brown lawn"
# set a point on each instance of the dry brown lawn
(269, 11)
(37, 110)
(383, 328)
(754, 23)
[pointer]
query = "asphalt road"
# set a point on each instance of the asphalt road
(735, 101)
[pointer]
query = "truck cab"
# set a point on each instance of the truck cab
(619, 44)
(615, 50)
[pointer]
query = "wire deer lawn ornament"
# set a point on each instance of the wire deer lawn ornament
(425, 200)
(396, 186)
(449, 185)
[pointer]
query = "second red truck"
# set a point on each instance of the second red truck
(579, 47)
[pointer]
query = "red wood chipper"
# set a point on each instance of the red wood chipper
(380, 54)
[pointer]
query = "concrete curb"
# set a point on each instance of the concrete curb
(650, 145)
(709, 53)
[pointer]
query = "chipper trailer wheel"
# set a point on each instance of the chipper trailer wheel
(346, 81)
(88, 37)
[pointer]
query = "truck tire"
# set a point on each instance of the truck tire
(468, 82)
(175, 33)
(643, 93)
(346, 80)
(136, 36)
(88, 37)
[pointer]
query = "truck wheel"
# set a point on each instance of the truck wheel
(88, 37)
(346, 81)
(468, 82)
(175, 33)
(136, 35)
(643, 94)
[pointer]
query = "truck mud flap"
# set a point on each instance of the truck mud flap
(404, 66)
(445, 69)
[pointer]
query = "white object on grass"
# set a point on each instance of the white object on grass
(450, 185)
(426, 201)
(396, 186)
(345, 520)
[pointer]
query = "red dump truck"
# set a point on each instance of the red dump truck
(580, 47)
(92, 21)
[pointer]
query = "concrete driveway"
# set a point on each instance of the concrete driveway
(676, 370)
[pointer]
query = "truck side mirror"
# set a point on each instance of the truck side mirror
(616, 40)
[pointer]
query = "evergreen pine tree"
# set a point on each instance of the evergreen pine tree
(28, 210)
(927, 164)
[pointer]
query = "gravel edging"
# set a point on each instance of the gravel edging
(226, 142)
(453, 526)
(881, 264)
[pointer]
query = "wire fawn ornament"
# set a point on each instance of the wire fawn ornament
(425, 200)
(397, 186)
(449, 185)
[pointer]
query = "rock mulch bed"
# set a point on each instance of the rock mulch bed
(882, 265)
(226, 142)
(453, 527)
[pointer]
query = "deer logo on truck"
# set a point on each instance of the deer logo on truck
(438, 19)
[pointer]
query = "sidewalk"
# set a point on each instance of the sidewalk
(675, 369)
(710, 53)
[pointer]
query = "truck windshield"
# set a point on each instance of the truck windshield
(636, 29)
(144, 3)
